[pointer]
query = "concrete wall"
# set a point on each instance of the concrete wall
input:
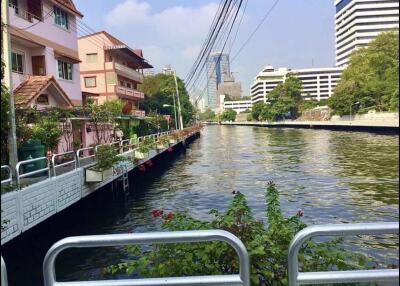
(370, 116)
(33, 204)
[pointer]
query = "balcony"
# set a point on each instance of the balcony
(128, 72)
(129, 93)
(28, 10)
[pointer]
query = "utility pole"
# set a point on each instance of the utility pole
(179, 102)
(12, 137)
(176, 120)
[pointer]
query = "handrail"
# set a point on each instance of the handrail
(9, 179)
(243, 278)
(53, 161)
(78, 152)
(296, 278)
(19, 176)
(4, 281)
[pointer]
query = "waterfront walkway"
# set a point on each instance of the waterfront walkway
(30, 205)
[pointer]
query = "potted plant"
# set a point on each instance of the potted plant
(142, 152)
(106, 157)
(173, 139)
(162, 142)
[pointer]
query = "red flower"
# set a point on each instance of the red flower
(142, 168)
(149, 163)
(169, 216)
(157, 213)
(169, 149)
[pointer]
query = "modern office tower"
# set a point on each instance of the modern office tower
(218, 70)
(358, 22)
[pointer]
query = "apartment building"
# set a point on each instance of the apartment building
(357, 22)
(238, 105)
(44, 52)
(317, 83)
(110, 69)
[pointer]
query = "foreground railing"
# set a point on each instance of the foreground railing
(8, 180)
(71, 160)
(4, 281)
(241, 279)
(325, 277)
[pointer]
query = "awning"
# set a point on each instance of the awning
(67, 57)
(128, 52)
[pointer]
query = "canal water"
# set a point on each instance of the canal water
(334, 177)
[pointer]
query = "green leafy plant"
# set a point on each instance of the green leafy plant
(146, 145)
(48, 131)
(267, 246)
(163, 140)
(106, 157)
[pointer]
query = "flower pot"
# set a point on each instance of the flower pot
(140, 155)
(160, 147)
(172, 141)
(94, 176)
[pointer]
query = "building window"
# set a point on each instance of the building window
(90, 81)
(111, 77)
(121, 83)
(43, 99)
(91, 58)
(128, 85)
(17, 64)
(64, 70)
(61, 17)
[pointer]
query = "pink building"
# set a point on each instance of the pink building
(112, 70)
(44, 42)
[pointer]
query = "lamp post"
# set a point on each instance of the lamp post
(168, 105)
(179, 102)
(351, 105)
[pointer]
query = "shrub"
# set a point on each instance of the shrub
(106, 156)
(267, 246)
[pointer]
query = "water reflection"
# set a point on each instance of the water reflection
(333, 176)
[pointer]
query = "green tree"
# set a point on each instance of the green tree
(228, 115)
(159, 90)
(208, 114)
(257, 109)
(371, 78)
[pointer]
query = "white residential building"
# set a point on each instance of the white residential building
(238, 105)
(358, 22)
(318, 83)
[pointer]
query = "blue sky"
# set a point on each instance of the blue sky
(296, 34)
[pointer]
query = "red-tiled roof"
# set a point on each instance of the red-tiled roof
(30, 89)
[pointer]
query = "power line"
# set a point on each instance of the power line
(255, 30)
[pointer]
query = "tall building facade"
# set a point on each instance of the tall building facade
(317, 83)
(218, 69)
(358, 22)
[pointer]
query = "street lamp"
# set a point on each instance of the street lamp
(176, 122)
(351, 105)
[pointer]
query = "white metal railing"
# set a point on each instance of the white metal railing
(9, 175)
(59, 155)
(4, 281)
(26, 162)
(241, 279)
(80, 155)
(325, 277)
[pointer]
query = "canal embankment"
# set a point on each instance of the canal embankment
(29, 206)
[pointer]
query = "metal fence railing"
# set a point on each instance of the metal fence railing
(8, 180)
(31, 162)
(332, 277)
(241, 279)
(70, 158)
(4, 281)
(84, 154)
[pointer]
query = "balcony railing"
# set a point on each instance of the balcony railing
(129, 73)
(24, 14)
(129, 92)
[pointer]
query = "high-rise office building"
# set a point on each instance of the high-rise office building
(358, 22)
(218, 70)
